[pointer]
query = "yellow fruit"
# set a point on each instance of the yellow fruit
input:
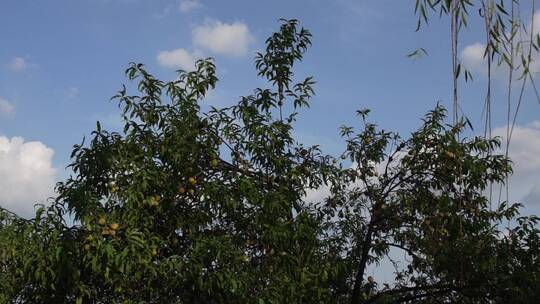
(105, 232)
(181, 190)
(154, 201)
(114, 226)
(192, 180)
(191, 191)
(87, 246)
(112, 232)
(154, 252)
(102, 221)
(214, 163)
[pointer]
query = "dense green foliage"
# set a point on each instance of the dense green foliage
(192, 206)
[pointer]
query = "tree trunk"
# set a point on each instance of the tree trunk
(366, 246)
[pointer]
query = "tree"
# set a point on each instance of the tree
(187, 206)
(425, 196)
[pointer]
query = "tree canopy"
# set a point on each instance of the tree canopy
(193, 206)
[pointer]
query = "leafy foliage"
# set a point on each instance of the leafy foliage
(187, 206)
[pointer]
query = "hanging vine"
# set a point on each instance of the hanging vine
(510, 44)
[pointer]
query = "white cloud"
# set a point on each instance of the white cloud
(525, 153)
(189, 5)
(472, 57)
(533, 197)
(26, 174)
(5, 106)
(317, 195)
(222, 38)
(535, 65)
(536, 23)
(72, 92)
(535, 124)
(178, 58)
(214, 37)
(164, 13)
(18, 64)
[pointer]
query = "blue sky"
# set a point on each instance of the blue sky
(61, 61)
